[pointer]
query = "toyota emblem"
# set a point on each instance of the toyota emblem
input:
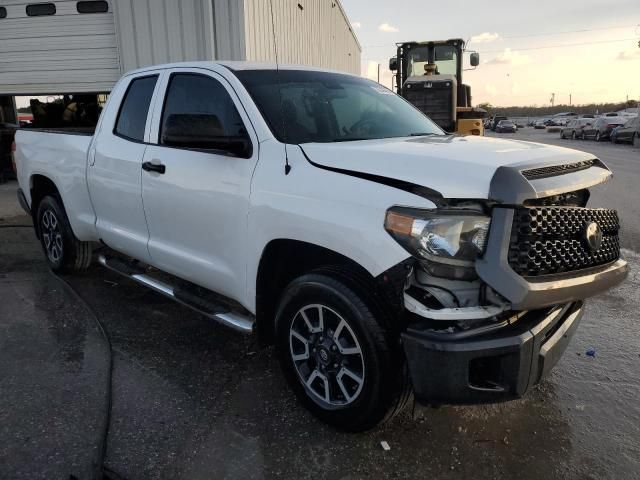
(593, 236)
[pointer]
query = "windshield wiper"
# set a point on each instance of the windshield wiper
(350, 139)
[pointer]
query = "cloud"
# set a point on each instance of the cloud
(356, 25)
(629, 55)
(491, 89)
(385, 27)
(484, 37)
(510, 57)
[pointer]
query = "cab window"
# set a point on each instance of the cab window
(198, 113)
(132, 117)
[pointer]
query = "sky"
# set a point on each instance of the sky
(528, 49)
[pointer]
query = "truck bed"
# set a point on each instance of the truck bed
(62, 157)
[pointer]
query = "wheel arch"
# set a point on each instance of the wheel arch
(39, 187)
(283, 260)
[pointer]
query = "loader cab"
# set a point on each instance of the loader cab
(429, 75)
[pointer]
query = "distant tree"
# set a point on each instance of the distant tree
(487, 106)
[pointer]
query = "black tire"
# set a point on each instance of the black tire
(597, 137)
(635, 140)
(562, 134)
(385, 387)
(573, 135)
(63, 251)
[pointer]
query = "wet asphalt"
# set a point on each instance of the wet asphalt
(190, 399)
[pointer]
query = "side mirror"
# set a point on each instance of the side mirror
(474, 59)
(203, 131)
(393, 64)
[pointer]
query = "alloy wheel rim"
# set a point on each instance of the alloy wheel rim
(326, 355)
(51, 236)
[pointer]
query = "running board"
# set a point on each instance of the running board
(217, 312)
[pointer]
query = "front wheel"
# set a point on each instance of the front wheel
(64, 252)
(336, 355)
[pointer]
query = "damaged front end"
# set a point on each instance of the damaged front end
(495, 289)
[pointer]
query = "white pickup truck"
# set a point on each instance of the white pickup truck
(324, 213)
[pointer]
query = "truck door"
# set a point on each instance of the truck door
(114, 173)
(196, 182)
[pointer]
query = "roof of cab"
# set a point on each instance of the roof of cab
(234, 66)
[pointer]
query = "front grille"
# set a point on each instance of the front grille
(578, 198)
(551, 240)
(552, 171)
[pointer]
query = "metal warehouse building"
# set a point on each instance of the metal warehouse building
(69, 46)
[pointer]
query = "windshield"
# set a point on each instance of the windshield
(446, 60)
(304, 106)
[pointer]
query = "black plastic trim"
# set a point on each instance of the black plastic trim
(22, 200)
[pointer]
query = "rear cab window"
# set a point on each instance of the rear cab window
(134, 109)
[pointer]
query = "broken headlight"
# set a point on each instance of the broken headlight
(447, 242)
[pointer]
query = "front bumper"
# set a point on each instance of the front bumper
(459, 368)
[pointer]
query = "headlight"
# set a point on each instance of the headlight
(446, 241)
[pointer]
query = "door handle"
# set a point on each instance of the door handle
(153, 167)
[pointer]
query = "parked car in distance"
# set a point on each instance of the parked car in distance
(506, 126)
(573, 129)
(627, 133)
(495, 120)
(601, 128)
(539, 124)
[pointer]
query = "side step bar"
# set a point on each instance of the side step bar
(220, 313)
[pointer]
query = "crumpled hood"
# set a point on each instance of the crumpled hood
(456, 167)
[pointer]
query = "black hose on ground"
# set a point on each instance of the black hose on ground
(100, 472)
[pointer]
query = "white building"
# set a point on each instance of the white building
(66, 46)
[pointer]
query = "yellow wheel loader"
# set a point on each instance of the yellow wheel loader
(429, 75)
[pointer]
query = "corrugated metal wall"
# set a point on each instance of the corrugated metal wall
(163, 31)
(317, 34)
(65, 52)
(71, 52)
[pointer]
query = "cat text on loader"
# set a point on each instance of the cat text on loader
(429, 75)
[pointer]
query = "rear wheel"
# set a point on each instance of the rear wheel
(336, 355)
(64, 252)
